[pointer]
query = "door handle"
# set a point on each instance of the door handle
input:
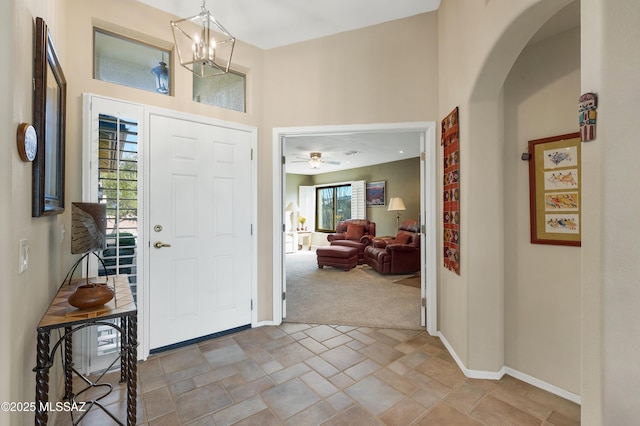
(160, 244)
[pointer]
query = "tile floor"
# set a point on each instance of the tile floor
(299, 374)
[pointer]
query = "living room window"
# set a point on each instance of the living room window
(333, 205)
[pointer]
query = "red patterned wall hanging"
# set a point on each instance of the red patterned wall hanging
(451, 192)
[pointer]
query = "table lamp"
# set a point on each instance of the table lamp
(88, 235)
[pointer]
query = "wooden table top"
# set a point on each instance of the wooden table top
(62, 314)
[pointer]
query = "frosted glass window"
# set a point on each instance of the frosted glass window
(224, 91)
(128, 62)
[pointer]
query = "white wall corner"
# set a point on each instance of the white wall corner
(497, 375)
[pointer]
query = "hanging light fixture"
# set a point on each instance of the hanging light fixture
(161, 72)
(204, 47)
(315, 161)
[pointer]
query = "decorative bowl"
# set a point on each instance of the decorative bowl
(91, 295)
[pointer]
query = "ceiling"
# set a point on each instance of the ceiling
(350, 150)
(271, 23)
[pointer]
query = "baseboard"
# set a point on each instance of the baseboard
(472, 374)
(497, 375)
(544, 385)
(264, 323)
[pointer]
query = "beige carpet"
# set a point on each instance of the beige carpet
(359, 297)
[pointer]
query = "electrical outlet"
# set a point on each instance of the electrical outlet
(23, 258)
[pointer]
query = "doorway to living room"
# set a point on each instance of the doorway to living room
(297, 258)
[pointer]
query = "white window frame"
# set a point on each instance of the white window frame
(93, 106)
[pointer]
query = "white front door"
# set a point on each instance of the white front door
(200, 230)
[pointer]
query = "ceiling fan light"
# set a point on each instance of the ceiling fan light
(315, 160)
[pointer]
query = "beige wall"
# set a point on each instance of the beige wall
(542, 282)
(380, 74)
(474, 60)
(7, 123)
(24, 296)
(611, 271)
(385, 73)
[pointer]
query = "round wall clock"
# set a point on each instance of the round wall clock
(27, 142)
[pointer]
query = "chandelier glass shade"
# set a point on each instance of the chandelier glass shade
(204, 47)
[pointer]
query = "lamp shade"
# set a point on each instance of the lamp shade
(292, 207)
(396, 204)
(88, 227)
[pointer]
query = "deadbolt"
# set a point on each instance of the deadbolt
(157, 228)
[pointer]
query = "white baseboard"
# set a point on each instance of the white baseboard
(497, 375)
(265, 323)
(544, 385)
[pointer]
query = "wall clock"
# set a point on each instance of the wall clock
(27, 142)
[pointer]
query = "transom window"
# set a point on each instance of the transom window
(224, 91)
(132, 63)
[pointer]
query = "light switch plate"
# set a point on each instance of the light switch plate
(23, 258)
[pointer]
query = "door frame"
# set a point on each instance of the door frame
(144, 309)
(428, 169)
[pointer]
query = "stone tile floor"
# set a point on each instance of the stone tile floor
(299, 374)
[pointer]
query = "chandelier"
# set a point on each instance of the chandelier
(204, 47)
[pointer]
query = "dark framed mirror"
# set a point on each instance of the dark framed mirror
(49, 113)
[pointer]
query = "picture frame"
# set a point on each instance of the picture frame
(555, 190)
(375, 194)
(49, 111)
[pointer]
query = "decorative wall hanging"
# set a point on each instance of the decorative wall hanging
(49, 104)
(375, 194)
(555, 189)
(451, 192)
(587, 105)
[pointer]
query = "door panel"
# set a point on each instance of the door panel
(200, 195)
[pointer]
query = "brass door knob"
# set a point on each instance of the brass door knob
(160, 244)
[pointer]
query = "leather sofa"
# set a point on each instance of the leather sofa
(398, 255)
(356, 233)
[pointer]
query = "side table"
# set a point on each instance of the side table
(62, 315)
(303, 234)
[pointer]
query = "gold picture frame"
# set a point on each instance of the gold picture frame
(555, 190)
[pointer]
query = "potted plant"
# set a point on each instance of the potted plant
(301, 221)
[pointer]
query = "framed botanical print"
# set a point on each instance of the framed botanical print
(555, 190)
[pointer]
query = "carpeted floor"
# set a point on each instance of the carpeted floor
(359, 297)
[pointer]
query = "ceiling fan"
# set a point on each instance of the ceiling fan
(315, 160)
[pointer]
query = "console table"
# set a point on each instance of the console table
(62, 315)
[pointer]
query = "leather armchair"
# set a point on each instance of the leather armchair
(356, 233)
(399, 255)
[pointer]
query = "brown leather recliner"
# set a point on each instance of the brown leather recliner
(356, 233)
(399, 255)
